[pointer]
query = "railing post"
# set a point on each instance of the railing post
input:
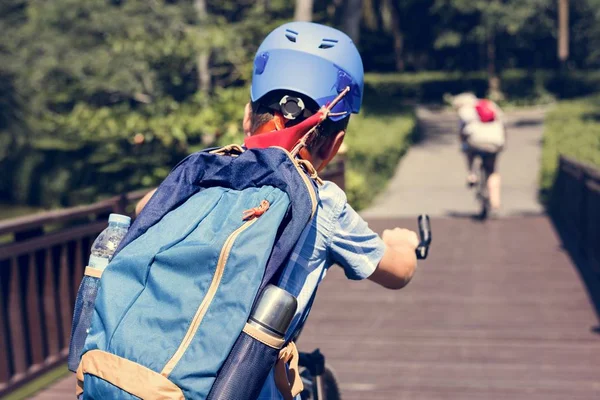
(64, 298)
(16, 321)
(592, 209)
(40, 272)
(120, 205)
(51, 322)
(575, 205)
(34, 312)
(5, 372)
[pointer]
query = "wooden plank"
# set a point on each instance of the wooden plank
(64, 298)
(79, 266)
(34, 314)
(16, 321)
(33, 221)
(4, 335)
(39, 243)
(51, 322)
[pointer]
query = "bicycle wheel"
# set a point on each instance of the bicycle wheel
(329, 383)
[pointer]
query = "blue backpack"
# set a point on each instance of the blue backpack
(176, 296)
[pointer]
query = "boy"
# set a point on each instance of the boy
(299, 68)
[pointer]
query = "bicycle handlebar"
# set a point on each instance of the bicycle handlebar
(425, 236)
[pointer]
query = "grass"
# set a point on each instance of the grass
(572, 128)
(376, 142)
(38, 384)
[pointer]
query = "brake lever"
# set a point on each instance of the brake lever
(425, 236)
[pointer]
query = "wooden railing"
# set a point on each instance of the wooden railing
(42, 259)
(575, 206)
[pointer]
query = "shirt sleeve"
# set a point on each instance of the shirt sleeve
(354, 246)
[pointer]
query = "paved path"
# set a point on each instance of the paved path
(431, 177)
(499, 310)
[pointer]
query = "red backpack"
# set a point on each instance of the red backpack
(485, 110)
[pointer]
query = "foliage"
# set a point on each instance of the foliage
(451, 34)
(376, 143)
(102, 96)
(521, 87)
(572, 128)
(492, 17)
(109, 91)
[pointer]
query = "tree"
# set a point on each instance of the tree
(352, 18)
(204, 76)
(13, 132)
(563, 30)
(492, 19)
(117, 92)
(304, 9)
(396, 28)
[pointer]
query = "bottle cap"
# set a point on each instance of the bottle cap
(119, 219)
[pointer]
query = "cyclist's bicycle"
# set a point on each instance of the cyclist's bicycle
(318, 377)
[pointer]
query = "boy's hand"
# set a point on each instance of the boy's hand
(400, 237)
(398, 264)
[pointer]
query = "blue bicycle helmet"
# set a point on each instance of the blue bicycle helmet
(311, 59)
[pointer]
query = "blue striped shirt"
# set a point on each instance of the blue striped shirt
(337, 235)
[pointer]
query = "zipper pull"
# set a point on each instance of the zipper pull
(256, 211)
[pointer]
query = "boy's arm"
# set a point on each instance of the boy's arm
(142, 203)
(399, 261)
(389, 261)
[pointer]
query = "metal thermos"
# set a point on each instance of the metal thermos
(274, 311)
(247, 367)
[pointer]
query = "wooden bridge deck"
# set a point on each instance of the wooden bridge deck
(499, 311)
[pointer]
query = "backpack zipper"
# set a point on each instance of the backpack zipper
(210, 294)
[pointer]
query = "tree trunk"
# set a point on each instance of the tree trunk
(370, 15)
(398, 36)
(303, 10)
(563, 31)
(494, 92)
(204, 76)
(352, 16)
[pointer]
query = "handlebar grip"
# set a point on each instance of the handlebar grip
(424, 229)
(425, 236)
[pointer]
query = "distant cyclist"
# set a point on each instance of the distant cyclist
(482, 133)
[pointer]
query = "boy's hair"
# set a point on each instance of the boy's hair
(261, 114)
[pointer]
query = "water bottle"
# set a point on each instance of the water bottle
(102, 251)
(257, 348)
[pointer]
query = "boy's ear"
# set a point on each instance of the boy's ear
(247, 122)
(331, 147)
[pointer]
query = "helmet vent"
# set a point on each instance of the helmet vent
(291, 35)
(327, 43)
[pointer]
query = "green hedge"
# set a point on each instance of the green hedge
(375, 145)
(520, 87)
(572, 128)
